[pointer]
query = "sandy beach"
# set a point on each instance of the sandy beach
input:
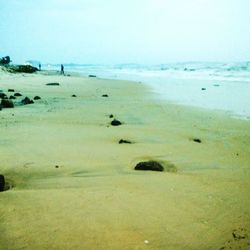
(73, 186)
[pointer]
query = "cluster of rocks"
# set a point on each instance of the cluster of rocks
(14, 100)
(21, 69)
(114, 122)
(144, 165)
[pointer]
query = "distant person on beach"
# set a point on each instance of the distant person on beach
(39, 66)
(62, 69)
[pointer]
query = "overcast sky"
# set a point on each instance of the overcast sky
(125, 31)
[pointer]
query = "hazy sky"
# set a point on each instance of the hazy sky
(122, 31)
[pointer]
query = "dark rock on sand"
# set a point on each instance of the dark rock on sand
(3, 95)
(149, 165)
(37, 97)
(73, 95)
(2, 183)
(124, 141)
(92, 75)
(5, 103)
(116, 123)
(197, 140)
(17, 94)
(26, 101)
(203, 88)
(12, 97)
(105, 95)
(111, 116)
(11, 90)
(53, 84)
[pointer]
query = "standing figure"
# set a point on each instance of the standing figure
(39, 66)
(62, 69)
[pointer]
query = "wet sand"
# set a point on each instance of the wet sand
(73, 186)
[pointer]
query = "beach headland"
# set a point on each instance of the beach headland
(72, 185)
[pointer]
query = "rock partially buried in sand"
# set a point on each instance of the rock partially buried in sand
(116, 123)
(197, 140)
(52, 84)
(203, 88)
(149, 165)
(73, 96)
(17, 94)
(92, 75)
(37, 97)
(124, 141)
(111, 116)
(156, 166)
(5, 103)
(105, 95)
(26, 101)
(11, 90)
(2, 183)
(12, 97)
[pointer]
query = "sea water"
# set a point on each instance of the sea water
(219, 86)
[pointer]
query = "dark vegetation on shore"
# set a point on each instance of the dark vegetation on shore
(5, 63)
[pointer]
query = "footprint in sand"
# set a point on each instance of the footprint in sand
(240, 240)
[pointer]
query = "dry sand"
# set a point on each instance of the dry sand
(73, 186)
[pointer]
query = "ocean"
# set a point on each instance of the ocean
(217, 86)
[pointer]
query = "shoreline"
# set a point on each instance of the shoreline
(175, 95)
(208, 93)
(74, 186)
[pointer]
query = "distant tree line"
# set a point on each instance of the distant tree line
(5, 60)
